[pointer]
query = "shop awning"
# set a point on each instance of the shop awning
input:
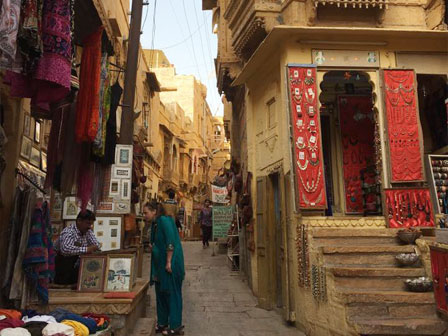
(152, 81)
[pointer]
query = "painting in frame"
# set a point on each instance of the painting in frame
(35, 157)
(71, 208)
(91, 273)
(37, 128)
(114, 187)
(119, 273)
(25, 150)
(122, 173)
(27, 125)
(123, 155)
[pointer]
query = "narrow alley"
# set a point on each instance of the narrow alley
(218, 302)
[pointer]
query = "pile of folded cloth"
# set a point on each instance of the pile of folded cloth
(59, 322)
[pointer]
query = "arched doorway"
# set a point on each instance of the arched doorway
(349, 142)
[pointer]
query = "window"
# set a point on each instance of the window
(271, 116)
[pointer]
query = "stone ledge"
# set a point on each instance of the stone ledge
(368, 249)
(414, 326)
(378, 297)
(376, 272)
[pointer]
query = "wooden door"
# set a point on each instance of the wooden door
(264, 274)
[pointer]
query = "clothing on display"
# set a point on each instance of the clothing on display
(15, 332)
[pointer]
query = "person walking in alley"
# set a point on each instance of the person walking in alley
(167, 269)
(206, 221)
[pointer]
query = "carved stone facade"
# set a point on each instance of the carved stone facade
(258, 39)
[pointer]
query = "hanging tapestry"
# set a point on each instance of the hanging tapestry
(307, 153)
(403, 126)
(409, 207)
(357, 132)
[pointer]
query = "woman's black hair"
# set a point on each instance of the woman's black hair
(158, 207)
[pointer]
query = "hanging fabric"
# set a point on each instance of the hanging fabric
(50, 82)
(38, 262)
(403, 126)
(87, 120)
(29, 38)
(99, 142)
(9, 27)
(18, 285)
(111, 127)
(85, 176)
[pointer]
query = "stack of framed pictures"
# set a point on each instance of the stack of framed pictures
(120, 186)
(111, 273)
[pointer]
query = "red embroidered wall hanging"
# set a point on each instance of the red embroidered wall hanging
(307, 154)
(358, 132)
(409, 207)
(403, 126)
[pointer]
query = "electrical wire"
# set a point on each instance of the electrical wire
(183, 41)
(192, 44)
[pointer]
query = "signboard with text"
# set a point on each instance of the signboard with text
(222, 220)
(219, 194)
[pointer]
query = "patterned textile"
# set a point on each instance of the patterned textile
(50, 82)
(72, 242)
(87, 109)
(102, 321)
(29, 37)
(38, 262)
(9, 26)
(98, 143)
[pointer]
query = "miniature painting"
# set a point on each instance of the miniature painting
(25, 151)
(91, 273)
(120, 269)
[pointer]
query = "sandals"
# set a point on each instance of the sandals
(173, 332)
(160, 328)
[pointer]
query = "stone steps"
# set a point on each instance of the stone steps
(401, 326)
(366, 256)
(369, 282)
(349, 237)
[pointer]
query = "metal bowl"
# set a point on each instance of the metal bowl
(407, 259)
(422, 284)
(409, 237)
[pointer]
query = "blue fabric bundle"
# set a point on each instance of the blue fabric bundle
(62, 314)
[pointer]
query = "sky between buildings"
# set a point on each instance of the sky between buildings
(184, 32)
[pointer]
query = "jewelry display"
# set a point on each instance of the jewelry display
(409, 207)
(402, 120)
(306, 135)
(438, 181)
(303, 256)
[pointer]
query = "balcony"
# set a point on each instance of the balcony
(380, 4)
(170, 176)
(249, 22)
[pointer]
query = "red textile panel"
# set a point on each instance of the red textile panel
(403, 126)
(409, 207)
(307, 145)
(357, 131)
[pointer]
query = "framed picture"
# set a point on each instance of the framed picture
(123, 207)
(37, 127)
(56, 206)
(56, 228)
(25, 150)
(71, 208)
(114, 187)
(91, 273)
(108, 231)
(43, 157)
(125, 189)
(27, 125)
(35, 157)
(123, 155)
(122, 173)
(120, 273)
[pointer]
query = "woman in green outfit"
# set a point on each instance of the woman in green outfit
(167, 269)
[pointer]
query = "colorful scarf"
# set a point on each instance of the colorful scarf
(38, 262)
(87, 109)
(9, 26)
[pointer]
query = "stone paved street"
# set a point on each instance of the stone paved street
(219, 303)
